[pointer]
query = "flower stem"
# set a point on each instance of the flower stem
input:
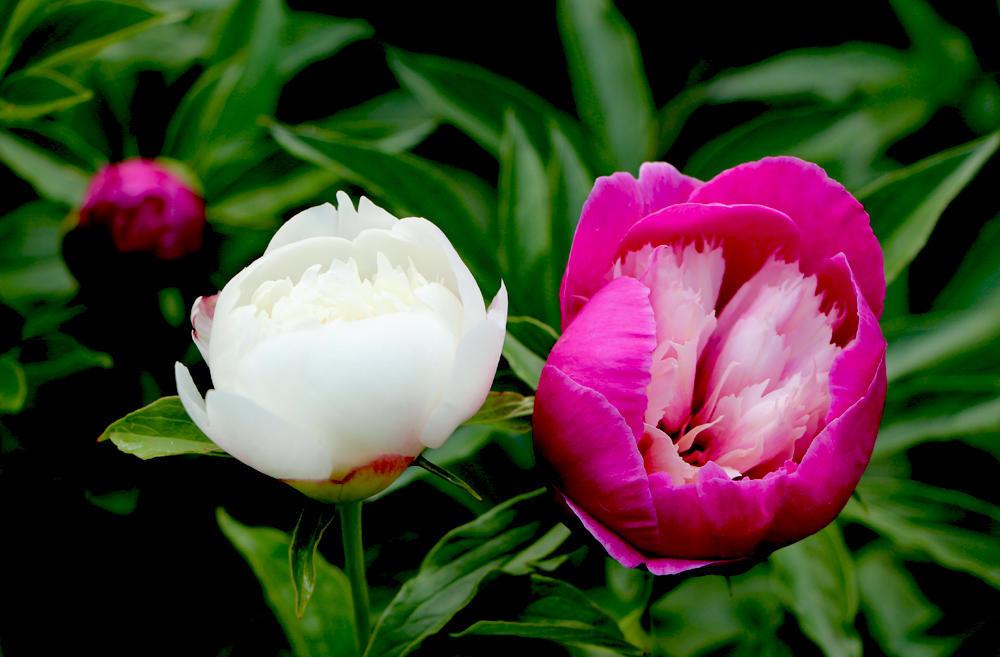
(354, 564)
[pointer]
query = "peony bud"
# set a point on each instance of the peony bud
(721, 376)
(146, 208)
(353, 343)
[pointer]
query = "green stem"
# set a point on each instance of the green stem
(354, 565)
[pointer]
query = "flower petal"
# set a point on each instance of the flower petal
(592, 449)
(318, 221)
(191, 399)
(615, 203)
(609, 348)
(367, 387)
(265, 441)
(472, 374)
(830, 218)
(627, 555)
(748, 234)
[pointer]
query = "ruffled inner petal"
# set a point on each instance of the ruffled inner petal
(743, 384)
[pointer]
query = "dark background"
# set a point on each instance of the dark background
(75, 578)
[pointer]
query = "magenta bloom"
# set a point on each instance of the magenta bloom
(146, 208)
(721, 375)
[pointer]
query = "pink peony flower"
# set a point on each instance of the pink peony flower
(146, 208)
(721, 376)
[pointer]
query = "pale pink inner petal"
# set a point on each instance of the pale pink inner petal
(684, 287)
(745, 386)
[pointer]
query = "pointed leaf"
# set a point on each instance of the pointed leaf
(905, 205)
(821, 589)
(897, 612)
(609, 83)
(558, 612)
(451, 574)
(476, 100)
(505, 410)
(327, 626)
(313, 522)
(161, 429)
(934, 524)
(51, 177)
(447, 476)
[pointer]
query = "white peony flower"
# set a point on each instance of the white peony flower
(353, 343)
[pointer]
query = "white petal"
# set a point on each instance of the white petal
(372, 216)
(470, 381)
(422, 231)
(191, 399)
(368, 216)
(318, 221)
(366, 386)
(265, 441)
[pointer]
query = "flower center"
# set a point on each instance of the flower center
(744, 386)
(342, 293)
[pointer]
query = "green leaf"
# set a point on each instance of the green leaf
(570, 181)
(118, 502)
(394, 122)
(451, 574)
(610, 86)
(18, 18)
(975, 419)
(535, 334)
(13, 385)
(458, 203)
(898, 614)
(31, 264)
(29, 95)
(476, 101)
(558, 612)
(60, 357)
(905, 205)
(847, 142)
(524, 220)
(310, 37)
(833, 75)
(978, 277)
(932, 340)
(505, 410)
(161, 429)
(51, 177)
(928, 523)
(326, 629)
(451, 478)
(821, 589)
(75, 31)
(312, 523)
(525, 363)
(220, 113)
(537, 555)
(704, 615)
(943, 57)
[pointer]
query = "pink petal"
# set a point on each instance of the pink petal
(627, 555)
(609, 348)
(831, 220)
(748, 234)
(615, 203)
(594, 454)
(822, 484)
(715, 517)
